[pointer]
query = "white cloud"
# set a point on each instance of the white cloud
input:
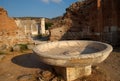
(54, 1)
(45, 1)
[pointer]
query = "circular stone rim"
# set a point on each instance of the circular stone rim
(82, 56)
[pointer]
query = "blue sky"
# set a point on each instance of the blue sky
(36, 8)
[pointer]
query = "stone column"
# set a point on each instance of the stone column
(37, 29)
(43, 26)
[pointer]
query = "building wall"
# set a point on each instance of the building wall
(28, 26)
(10, 34)
(93, 19)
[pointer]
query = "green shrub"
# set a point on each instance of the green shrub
(20, 47)
(1, 53)
(23, 46)
(48, 25)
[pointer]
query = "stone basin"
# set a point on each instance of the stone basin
(73, 59)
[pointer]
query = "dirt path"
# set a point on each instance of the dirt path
(15, 65)
(112, 65)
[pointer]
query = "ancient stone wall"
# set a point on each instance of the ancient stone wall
(91, 19)
(57, 33)
(7, 25)
(28, 26)
(32, 26)
(10, 34)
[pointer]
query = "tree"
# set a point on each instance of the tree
(48, 25)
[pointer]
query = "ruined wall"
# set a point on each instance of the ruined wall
(57, 33)
(28, 26)
(59, 29)
(92, 19)
(10, 34)
(32, 27)
(110, 21)
(82, 20)
(7, 25)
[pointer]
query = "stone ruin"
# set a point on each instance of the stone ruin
(31, 26)
(89, 19)
(19, 31)
(10, 34)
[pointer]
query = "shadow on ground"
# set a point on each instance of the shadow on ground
(30, 61)
(116, 49)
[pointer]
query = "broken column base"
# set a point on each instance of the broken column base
(73, 73)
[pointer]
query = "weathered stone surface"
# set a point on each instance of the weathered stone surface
(73, 73)
(30, 46)
(28, 26)
(27, 77)
(45, 75)
(3, 47)
(73, 58)
(16, 48)
(57, 36)
(7, 25)
(1, 56)
(90, 19)
(62, 53)
(10, 34)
